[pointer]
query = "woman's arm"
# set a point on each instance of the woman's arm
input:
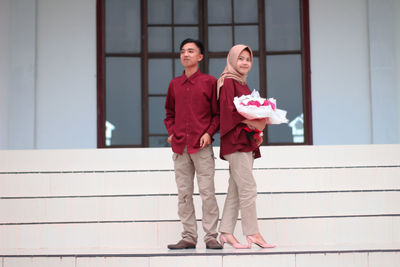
(229, 117)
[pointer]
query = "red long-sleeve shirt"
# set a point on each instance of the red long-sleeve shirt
(233, 136)
(191, 110)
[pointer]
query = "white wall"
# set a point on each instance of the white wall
(66, 74)
(397, 56)
(383, 74)
(19, 67)
(355, 62)
(48, 67)
(4, 71)
(340, 72)
(21, 96)
(58, 109)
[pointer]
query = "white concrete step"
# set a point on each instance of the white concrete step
(160, 158)
(163, 182)
(374, 230)
(160, 208)
(124, 200)
(291, 256)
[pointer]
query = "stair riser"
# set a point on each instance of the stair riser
(156, 208)
(287, 260)
(323, 231)
(131, 183)
(161, 158)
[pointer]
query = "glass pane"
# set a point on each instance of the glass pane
(245, 11)
(219, 38)
(247, 35)
(157, 115)
(122, 24)
(159, 11)
(284, 81)
(219, 11)
(186, 12)
(123, 101)
(158, 141)
(160, 74)
(253, 79)
(216, 66)
(181, 33)
(160, 39)
(217, 141)
(282, 22)
(178, 67)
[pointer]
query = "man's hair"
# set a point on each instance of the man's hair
(198, 43)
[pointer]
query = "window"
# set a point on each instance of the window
(138, 54)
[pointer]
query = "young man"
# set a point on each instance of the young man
(192, 118)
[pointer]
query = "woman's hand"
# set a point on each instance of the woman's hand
(259, 124)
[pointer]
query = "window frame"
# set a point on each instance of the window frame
(203, 25)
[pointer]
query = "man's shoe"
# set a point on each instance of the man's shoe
(213, 244)
(183, 244)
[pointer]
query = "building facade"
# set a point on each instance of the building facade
(54, 73)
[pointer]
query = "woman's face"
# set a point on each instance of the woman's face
(243, 64)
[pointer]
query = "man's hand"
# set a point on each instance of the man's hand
(169, 140)
(205, 140)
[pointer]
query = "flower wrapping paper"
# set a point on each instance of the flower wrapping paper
(255, 107)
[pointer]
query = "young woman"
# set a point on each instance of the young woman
(239, 147)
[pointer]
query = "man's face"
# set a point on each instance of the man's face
(190, 55)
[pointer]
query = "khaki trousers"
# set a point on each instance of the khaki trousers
(202, 162)
(242, 194)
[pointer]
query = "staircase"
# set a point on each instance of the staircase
(322, 206)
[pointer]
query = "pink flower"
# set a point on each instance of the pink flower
(254, 103)
(267, 103)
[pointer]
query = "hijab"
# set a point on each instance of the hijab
(231, 70)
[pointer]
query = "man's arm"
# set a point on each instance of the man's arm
(169, 120)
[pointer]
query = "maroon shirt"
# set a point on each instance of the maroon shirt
(191, 110)
(233, 136)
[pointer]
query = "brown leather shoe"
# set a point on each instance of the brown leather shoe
(183, 244)
(213, 244)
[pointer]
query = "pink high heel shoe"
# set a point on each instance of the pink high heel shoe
(251, 239)
(223, 240)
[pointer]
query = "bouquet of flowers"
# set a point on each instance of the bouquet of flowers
(255, 107)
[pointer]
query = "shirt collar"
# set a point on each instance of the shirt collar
(191, 78)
